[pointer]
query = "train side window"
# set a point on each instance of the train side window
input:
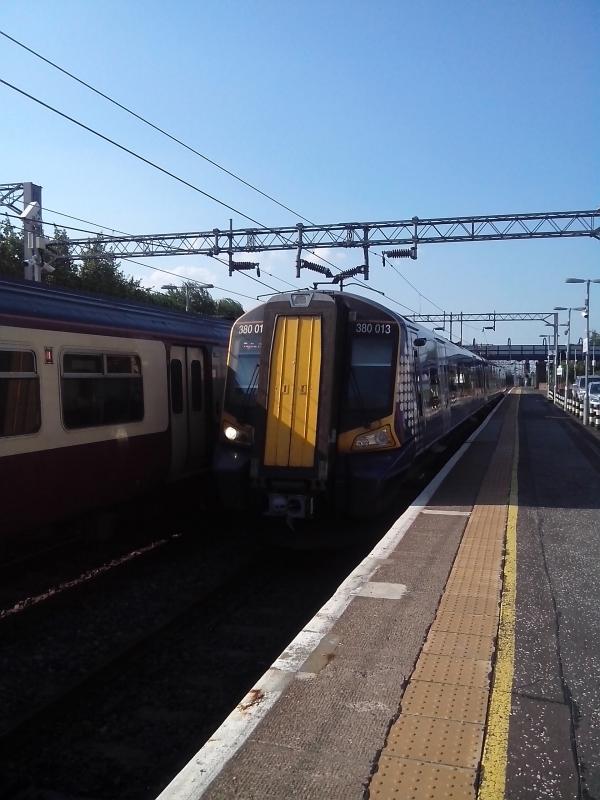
(20, 409)
(123, 365)
(434, 388)
(452, 381)
(196, 385)
(101, 389)
(83, 363)
(176, 386)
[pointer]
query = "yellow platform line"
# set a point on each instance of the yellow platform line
(448, 716)
(495, 749)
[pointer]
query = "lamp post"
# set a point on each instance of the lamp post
(569, 309)
(555, 382)
(511, 362)
(186, 287)
(546, 340)
(586, 397)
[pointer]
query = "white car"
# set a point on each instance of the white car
(578, 388)
(594, 394)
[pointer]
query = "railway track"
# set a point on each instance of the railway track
(109, 688)
(184, 673)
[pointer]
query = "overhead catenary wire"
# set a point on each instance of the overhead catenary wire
(87, 221)
(187, 147)
(435, 305)
(220, 260)
(155, 127)
(397, 271)
(130, 152)
(167, 272)
(183, 278)
(124, 258)
(168, 135)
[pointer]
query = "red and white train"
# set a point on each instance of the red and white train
(100, 399)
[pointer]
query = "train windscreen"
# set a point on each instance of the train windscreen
(242, 375)
(370, 380)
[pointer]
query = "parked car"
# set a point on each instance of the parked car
(578, 388)
(594, 394)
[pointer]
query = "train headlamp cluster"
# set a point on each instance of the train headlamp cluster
(238, 434)
(379, 439)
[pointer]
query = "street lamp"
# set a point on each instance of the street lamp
(186, 287)
(569, 309)
(586, 399)
(514, 363)
(546, 339)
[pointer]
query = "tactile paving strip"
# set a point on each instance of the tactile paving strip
(456, 671)
(475, 624)
(434, 748)
(459, 645)
(441, 741)
(405, 779)
(444, 701)
(461, 604)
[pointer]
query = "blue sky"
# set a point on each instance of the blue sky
(344, 111)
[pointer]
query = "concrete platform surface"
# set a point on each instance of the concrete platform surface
(404, 684)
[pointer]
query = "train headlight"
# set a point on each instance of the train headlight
(238, 434)
(379, 439)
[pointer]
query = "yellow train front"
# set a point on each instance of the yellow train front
(329, 397)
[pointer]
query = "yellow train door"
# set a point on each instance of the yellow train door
(293, 399)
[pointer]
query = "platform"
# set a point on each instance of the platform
(460, 659)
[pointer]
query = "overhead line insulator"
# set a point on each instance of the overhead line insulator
(303, 264)
(349, 273)
(407, 252)
(240, 266)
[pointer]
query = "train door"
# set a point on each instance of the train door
(188, 412)
(293, 393)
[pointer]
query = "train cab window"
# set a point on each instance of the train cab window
(176, 386)
(196, 385)
(20, 411)
(371, 374)
(243, 371)
(101, 389)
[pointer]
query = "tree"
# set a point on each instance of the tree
(101, 273)
(192, 297)
(228, 308)
(66, 271)
(11, 251)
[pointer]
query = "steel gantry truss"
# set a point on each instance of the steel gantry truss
(486, 316)
(11, 194)
(410, 232)
(454, 318)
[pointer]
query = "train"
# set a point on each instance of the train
(329, 399)
(100, 400)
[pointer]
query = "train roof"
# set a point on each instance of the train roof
(422, 331)
(38, 305)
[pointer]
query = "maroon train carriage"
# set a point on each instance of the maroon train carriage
(100, 399)
(330, 397)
